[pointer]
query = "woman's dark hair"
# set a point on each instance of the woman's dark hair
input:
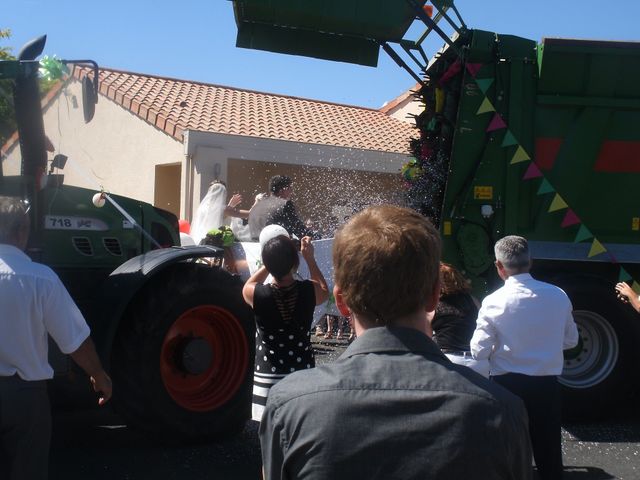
(280, 256)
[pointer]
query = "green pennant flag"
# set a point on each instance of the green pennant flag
(636, 287)
(545, 187)
(583, 234)
(484, 84)
(509, 139)
(596, 248)
(520, 156)
(624, 275)
(485, 106)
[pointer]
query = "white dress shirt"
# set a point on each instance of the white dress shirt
(34, 302)
(523, 327)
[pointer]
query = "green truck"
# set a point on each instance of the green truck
(174, 332)
(516, 137)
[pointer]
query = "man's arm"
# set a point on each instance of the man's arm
(87, 358)
(484, 337)
(68, 328)
(271, 444)
(293, 223)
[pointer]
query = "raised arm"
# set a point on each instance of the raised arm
(319, 282)
(232, 210)
(485, 336)
(627, 295)
(249, 288)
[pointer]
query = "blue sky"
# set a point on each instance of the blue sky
(195, 40)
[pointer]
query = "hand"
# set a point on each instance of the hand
(236, 200)
(306, 248)
(624, 291)
(102, 385)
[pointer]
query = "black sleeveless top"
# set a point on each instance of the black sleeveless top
(283, 322)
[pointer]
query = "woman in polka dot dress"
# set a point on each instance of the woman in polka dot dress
(283, 312)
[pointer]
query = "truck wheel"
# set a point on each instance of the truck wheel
(596, 372)
(183, 355)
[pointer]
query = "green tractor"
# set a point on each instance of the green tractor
(173, 331)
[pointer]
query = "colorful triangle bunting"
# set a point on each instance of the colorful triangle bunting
(545, 187)
(596, 248)
(474, 68)
(636, 287)
(520, 156)
(624, 275)
(532, 172)
(557, 204)
(484, 84)
(509, 139)
(496, 123)
(485, 106)
(583, 234)
(570, 218)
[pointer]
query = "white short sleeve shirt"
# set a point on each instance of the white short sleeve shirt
(524, 327)
(34, 303)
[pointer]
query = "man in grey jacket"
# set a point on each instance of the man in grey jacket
(277, 208)
(392, 406)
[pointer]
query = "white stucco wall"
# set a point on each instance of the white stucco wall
(116, 149)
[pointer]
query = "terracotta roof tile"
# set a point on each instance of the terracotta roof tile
(177, 105)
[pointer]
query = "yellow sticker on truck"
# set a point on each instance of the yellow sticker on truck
(483, 192)
(635, 223)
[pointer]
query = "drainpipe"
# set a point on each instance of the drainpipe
(187, 180)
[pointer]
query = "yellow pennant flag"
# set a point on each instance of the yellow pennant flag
(557, 204)
(596, 248)
(636, 287)
(520, 156)
(439, 100)
(485, 107)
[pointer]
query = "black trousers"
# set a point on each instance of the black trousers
(25, 429)
(541, 396)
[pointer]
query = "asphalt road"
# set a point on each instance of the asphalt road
(98, 446)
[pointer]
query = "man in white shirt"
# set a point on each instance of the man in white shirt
(522, 329)
(35, 304)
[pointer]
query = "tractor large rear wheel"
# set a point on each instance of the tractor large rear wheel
(182, 359)
(599, 373)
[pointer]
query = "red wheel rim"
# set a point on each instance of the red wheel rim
(225, 373)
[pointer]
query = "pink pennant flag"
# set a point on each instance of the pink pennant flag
(532, 172)
(474, 68)
(570, 218)
(496, 123)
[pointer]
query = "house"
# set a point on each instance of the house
(163, 140)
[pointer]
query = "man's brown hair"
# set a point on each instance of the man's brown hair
(386, 262)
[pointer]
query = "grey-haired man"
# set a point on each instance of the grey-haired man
(522, 329)
(35, 304)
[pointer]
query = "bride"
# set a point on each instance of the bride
(212, 211)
